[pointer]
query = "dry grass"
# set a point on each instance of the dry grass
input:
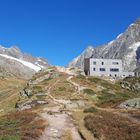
(112, 126)
(16, 125)
(107, 94)
(9, 93)
(25, 124)
(63, 89)
(78, 116)
(108, 99)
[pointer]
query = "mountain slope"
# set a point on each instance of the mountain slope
(65, 102)
(15, 62)
(124, 47)
(78, 61)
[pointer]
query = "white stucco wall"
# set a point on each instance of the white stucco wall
(108, 64)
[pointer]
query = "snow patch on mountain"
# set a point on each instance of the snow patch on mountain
(110, 42)
(131, 25)
(119, 35)
(36, 63)
(25, 63)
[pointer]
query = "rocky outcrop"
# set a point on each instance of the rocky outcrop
(30, 104)
(132, 103)
(36, 90)
(127, 85)
(74, 104)
(26, 92)
(5, 73)
(125, 46)
(132, 84)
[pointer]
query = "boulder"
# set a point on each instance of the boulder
(26, 92)
(132, 103)
(75, 104)
(131, 86)
(30, 104)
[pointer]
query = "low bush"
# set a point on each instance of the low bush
(80, 76)
(111, 126)
(46, 81)
(132, 80)
(90, 110)
(89, 92)
(37, 89)
(10, 138)
(110, 99)
(21, 124)
(101, 82)
(61, 88)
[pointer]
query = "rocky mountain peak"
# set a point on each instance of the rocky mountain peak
(15, 48)
(124, 47)
(88, 51)
(90, 47)
(78, 61)
(20, 64)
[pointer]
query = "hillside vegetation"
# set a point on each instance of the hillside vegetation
(58, 105)
(9, 93)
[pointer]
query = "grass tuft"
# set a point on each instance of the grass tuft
(89, 92)
(90, 110)
(10, 137)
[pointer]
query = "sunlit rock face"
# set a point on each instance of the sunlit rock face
(14, 62)
(126, 46)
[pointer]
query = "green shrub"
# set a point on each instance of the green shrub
(104, 83)
(132, 80)
(90, 110)
(37, 89)
(80, 76)
(89, 92)
(46, 80)
(94, 79)
(10, 138)
(10, 124)
(109, 98)
(61, 88)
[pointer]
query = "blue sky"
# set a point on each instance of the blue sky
(59, 30)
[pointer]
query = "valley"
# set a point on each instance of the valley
(56, 105)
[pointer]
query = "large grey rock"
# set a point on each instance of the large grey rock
(75, 104)
(132, 103)
(30, 104)
(26, 92)
(132, 85)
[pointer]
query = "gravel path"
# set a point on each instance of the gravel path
(60, 124)
(77, 86)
